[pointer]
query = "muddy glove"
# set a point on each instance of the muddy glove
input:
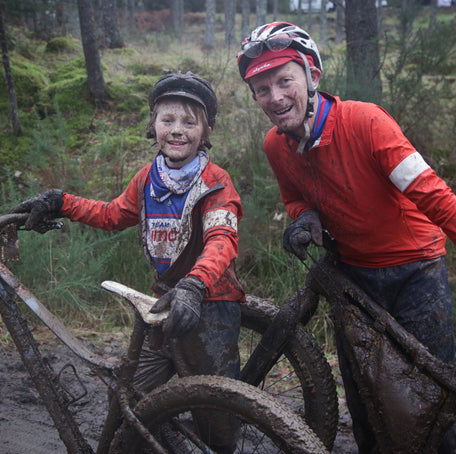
(43, 208)
(184, 303)
(303, 230)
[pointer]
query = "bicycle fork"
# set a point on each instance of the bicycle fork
(267, 352)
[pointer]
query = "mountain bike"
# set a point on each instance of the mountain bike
(409, 395)
(161, 421)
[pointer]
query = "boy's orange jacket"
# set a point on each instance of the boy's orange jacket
(207, 244)
(374, 192)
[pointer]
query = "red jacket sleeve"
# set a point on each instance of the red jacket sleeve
(222, 212)
(436, 200)
(119, 214)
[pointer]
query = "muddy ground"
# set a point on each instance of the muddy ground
(25, 426)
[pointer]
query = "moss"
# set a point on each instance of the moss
(66, 92)
(12, 150)
(59, 45)
(131, 94)
(188, 64)
(123, 51)
(29, 80)
(70, 70)
(145, 68)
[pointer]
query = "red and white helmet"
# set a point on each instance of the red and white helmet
(277, 37)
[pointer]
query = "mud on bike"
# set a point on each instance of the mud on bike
(286, 417)
(420, 383)
(409, 394)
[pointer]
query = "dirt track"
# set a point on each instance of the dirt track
(25, 426)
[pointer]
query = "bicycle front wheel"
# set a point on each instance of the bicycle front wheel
(301, 377)
(267, 426)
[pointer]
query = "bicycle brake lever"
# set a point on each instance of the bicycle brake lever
(329, 243)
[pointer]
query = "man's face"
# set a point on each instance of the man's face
(282, 94)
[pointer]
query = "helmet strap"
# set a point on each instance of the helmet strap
(310, 88)
(310, 104)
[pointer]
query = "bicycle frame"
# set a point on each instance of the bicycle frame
(117, 374)
(349, 302)
(326, 280)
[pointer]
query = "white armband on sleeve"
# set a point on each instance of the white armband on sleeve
(222, 218)
(407, 170)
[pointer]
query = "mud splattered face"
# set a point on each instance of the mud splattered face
(282, 94)
(179, 131)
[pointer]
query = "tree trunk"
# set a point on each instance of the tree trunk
(323, 25)
(131, 15)
(299, 14)
(95, 79)
(245, 13)
(261, 9)
(340, 19)
(177, 15)
(230, 22)
(9, 79)
(111, 32)
(309, 18)
(98, 17)
(275, 9)
(209, 34)
(379, 17)
(363, 65)
(433, 20)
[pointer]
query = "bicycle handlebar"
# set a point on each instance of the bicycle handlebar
(18, 219)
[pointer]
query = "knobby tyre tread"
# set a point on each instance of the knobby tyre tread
(251, 405)
(319, 404)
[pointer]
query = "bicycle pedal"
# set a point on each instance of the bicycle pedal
(73, 398)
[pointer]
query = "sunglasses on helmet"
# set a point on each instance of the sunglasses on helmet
(253, 49)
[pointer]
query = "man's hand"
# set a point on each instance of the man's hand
(42, 208)
(184, 303)
(303, 230)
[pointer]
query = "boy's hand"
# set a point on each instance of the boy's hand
(184, 303)
(42, 208)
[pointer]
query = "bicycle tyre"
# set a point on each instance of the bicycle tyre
(317, 401)
(256, 409)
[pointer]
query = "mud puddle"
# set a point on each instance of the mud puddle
(26, 427)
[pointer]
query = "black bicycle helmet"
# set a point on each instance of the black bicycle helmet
(189, 86)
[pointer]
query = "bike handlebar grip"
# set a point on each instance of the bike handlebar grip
(304, 237)
(17, 219)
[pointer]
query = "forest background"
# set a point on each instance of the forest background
(57, 132)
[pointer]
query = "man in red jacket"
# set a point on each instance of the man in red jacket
(188, 210)
(348, 166)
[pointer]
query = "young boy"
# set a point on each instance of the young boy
(188, 210)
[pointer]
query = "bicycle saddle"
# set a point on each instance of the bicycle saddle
(140, 301)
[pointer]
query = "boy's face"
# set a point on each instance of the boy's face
(178, 132)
